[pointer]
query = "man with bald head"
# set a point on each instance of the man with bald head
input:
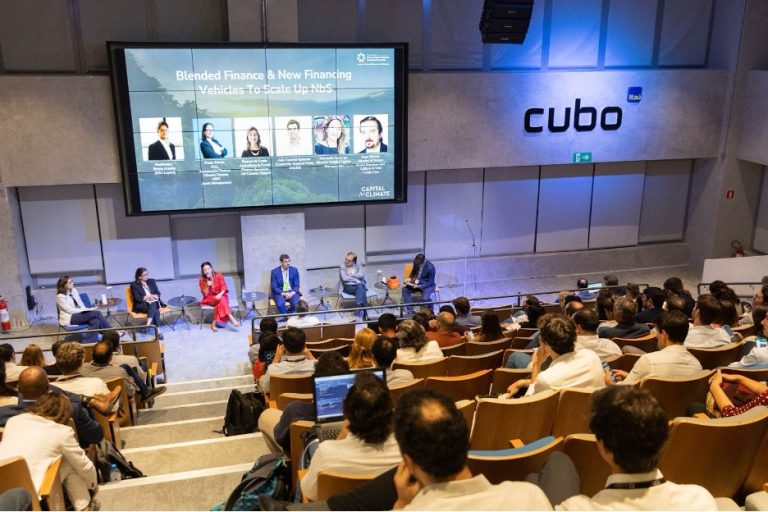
(101, 366)
(445, 336)
(33, 383)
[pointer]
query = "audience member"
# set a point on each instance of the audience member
(676, 303)
(728, 319)
(611, 282)
(52, 369)
(33, 356)
(586, 322)
(265, 325)
(633, 293)
(674, 288)
(69, 359)
(360, 355)
(604, 304)
(265, 356)
(387, 324)
(755, 356)
(760, 299)
(724, 403)
(631, 429)
(302, 321)
(422, 320)
(528, 316)
(33, 383)
(653, 306)
(414, 345)
(433, 474)
(124, 360)
(291, 357)
(276, 424)
(463, 316)
(569, 368)
(101, 366)
(582, 290)
(490, 329)
(672, 361)
(624, 312)
(366, 444)
(702, 333)
(384, 352)
(445, 335)
(40, 435)
(8, 395)
(8, 358)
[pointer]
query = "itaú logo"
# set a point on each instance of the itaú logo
(584, 119)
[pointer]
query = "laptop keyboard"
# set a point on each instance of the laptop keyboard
(328, 433)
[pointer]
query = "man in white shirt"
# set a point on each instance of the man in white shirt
(433, 475)
(367, 444)
(631, 427)
(302, 321)
(69, 359)
(8, 358)
(291, 357)
(673, 360)
(569, 367)
(587, 321)
(702, 334)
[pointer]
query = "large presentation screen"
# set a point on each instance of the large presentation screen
(241, 126)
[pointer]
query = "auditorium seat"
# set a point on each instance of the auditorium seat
(513, 463)
(399, 391)
(459, 349)
(504, 377)
(758, 374)
(573, 412)
(14, 472)
(519, 342)
(291, 383)
(593, 470)
(331, 483)
(462, 387)
(499, 421)
(508, 352)
(647, 343)
(711, 358)
(674, 394)
(476, 349)
(462, 365)
(431, 368)
(343, 350)
(283, 399)
(624, 362)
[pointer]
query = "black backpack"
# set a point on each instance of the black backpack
(106, 455)
(243, 411)
(270, 475)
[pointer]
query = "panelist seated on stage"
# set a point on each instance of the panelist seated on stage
(284, 285)
(72, 311)
(352, 276)
(421, 279)
(213, 286)
(146, 298)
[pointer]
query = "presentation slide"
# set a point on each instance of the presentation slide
(214, 128)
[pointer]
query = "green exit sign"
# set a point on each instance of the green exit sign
(582, 158)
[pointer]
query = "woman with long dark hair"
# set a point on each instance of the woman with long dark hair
(213, 286)
(146, 298)
(72, 310)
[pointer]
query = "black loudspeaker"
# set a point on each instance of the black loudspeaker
(505, 21)
(31, 300)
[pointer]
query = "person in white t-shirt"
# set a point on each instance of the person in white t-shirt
(702, 334)
(414, 345)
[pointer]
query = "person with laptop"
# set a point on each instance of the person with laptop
(367, 443)
(291, 357)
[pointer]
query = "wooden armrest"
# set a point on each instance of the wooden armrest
(516, 443)
(765, 487)
(300, 475)
(162, 348)
(50, 476)
(152, 370)
(272, 404)
(51, 490)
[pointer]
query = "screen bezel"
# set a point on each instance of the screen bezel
(125, 141)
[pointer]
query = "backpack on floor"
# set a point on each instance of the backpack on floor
(106, 455)
(270, 475)
(243, 411)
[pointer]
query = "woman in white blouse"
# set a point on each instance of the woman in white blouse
(414, 345)
(40, 435)
(72, 311)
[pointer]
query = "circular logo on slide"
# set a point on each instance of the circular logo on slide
(361, 57)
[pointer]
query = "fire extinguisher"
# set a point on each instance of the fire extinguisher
(5, 318)
(738, 249)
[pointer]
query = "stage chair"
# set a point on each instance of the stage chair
(717, 454)
(463, 387)
(398, 391)
(712, 358)
(573, 412)
(459, 349)
(504, 377)
(71, 329)
(513, 463)
(647, 343)
(674, 394)
(593, 470)
(131, 314)
(348, 301)
(498, 421)
(462, 365)
(431, 368)
(478, 349)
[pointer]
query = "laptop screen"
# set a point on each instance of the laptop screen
(329, 393)
(595, 286)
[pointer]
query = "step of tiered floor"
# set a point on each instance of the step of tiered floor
(189, 466)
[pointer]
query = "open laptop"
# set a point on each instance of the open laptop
(328, 393)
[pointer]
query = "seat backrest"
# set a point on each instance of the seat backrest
(514, 463)
(499, 421)
(758, 473)
(407, 268)
(330, 343)
(345, 330)
(291, 383)
(715, 454)
(675, 394)
(342, 349)
(286, 398)
(431, 368)
(234, 296)
(716, 357)
(593, 470)
(14, 472)
(398, 391)
(624, 362)
(462, 365)
(647, 343)
(467, 409)
(152, 349)
(128, 299)
(127, 417)
(86, 300)
(463, 387)
(504, 377)
(508, 352)
(520, 342)
(459, 349)
(331, 483)
(758, 374)
(477, 349)
(573, 412)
